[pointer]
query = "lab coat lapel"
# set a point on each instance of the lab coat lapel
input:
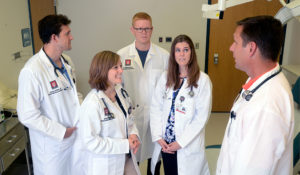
(151, 52)
(50, 68)
(183, 90)
(74, 89)
(118, 90)
(61, 80)
(69, 70)
(111, 106)
(46, 62)
(122, 99)
(134, 56)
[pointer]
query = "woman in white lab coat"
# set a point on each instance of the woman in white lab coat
(180, 108)
(106, 128)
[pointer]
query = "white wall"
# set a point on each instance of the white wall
(104, 24)
(14, 16)
(291, 54)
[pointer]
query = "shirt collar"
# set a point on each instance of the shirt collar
(62, 69)
(252, 81)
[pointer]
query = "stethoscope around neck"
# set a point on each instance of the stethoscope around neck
(190, 93)
(109, 115)
(63, 67)
(61, 70)
(247, 95)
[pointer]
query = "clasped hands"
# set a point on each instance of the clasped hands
(134, 143)
(168, 148)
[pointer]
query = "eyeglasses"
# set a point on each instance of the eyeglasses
(140, 30)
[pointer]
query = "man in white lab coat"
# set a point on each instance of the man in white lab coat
(143, 63)
(47, 99)
(259, 136)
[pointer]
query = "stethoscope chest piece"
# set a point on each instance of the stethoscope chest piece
(247, 95)
(191, 93)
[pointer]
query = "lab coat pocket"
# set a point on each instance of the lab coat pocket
(107, 126)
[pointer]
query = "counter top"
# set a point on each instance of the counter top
(7, 125)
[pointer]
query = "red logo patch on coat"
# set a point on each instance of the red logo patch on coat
(127, 62)
(53, 84)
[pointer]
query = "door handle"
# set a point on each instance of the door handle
(216, 58)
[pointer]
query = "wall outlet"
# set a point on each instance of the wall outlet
(196, 45)
(17, 55)
(168, 39)
(160, 39)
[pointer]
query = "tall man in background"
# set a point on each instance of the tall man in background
(259, 135)
(47, 99)
(143, 63)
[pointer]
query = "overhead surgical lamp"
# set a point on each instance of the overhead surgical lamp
(216, 11)
(288, 11)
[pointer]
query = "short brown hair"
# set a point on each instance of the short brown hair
(99, 68)
(173, 79)
(50, 25)
(266, 32)
(141, 15)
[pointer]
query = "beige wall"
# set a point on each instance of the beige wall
(104, 24)
(291, 54)
(14, 16)
(99, 25)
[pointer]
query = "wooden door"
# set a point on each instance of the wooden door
(38, 10)
(227, 81)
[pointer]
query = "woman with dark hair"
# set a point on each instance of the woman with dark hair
(106, 128)
(180, 109)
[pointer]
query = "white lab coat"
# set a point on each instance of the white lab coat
(70, 63)
(47, 106)
(191, 116)
(140, 83)
(76, 152)
(259, 141)
(105, 143)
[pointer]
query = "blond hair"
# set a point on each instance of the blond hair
(141, 15)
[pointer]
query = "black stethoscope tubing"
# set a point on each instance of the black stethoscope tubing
(124, 93)
(191, 92)
(57, 68)
(109, 114)
(247, 95)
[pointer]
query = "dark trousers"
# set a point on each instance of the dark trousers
(170, 163)
(157, 168)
